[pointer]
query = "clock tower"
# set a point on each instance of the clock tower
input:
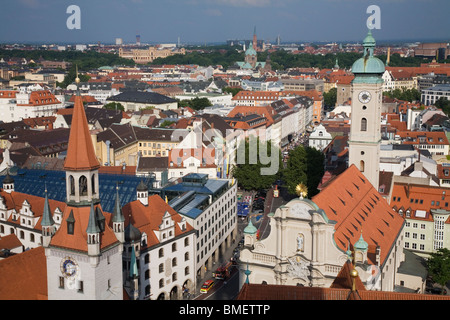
(84, 256)
(365, 131)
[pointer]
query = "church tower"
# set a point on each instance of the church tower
(84, 256)
(365, 131)
(255, 40)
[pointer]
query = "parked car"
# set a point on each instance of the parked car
(207, 286)
(435, 290)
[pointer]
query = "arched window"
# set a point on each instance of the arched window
(361, 166)
(93, 183)
(363, 124)
(72, 185)
(161, 268)
(83, 186)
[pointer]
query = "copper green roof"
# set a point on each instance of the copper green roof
(368, 64)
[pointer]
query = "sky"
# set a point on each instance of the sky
(209, 21)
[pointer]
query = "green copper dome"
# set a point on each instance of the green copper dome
(368, 64)
(361, 244)
(250, 229)
(250, 51)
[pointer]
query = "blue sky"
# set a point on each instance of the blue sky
(209, 21)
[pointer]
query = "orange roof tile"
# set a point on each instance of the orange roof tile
(352, 201)
(27, 276)
(80, 151)
(149, 218)
(419, 197)
(78, 240)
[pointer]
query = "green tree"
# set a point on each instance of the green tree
(314, 170)
(233, 91)
(166, 123)
(295, 171)
(330, 98)
(114, 106)
(404, 94)
(444, 105)
(439, 266)
(249, 174)
(305, 165)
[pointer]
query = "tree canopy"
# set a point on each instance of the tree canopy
(249, 174)
(439, 266)
(305, 165)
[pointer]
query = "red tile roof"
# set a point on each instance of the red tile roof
(404, 197)
(27, 276)
(260, 292)
(78, 240)
(149, 218)
(352, 201)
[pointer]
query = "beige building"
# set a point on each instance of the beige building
(124, 144)
(144, 56)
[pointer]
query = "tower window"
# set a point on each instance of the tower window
(83, 186)
(363, 124)
(72, 185)
(361, 166)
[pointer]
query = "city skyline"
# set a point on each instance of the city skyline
(207, 21)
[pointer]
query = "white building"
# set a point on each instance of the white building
(319, 138)
(209, 205)
(29, 104)
(433, 94)
(159, 251)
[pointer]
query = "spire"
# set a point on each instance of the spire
(133, 264)
(92, 225)
(80, 151)
(247, 274)
(117, 214)
(47, 219)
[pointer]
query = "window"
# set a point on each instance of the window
(161, 268)
(83, 186)
(61, 282)
(80, 286)
(161, 253)
(72, 185)
(361, 166)
(363, 124)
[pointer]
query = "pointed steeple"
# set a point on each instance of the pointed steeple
(80, 151)
(133, 264)
(117, 214)
(92, 224)
(47, 219)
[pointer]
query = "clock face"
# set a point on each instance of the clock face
(69, 267)
(364, 96)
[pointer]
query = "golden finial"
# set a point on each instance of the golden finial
(354, 275)
(77, 79)
(301, 190)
